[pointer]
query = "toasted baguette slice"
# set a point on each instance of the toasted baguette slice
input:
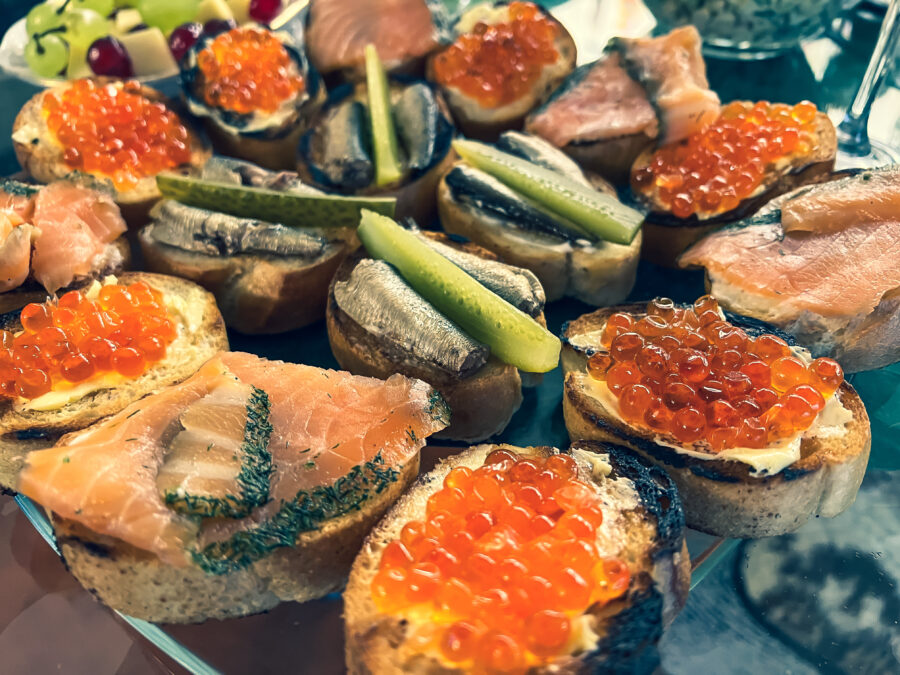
(602, 273)
(197, 342)
(666, 236)
(139, 584)
(486, 123)
(257, 294)
(642, 516)
(725, 497)
(41, 156)
(482, 404)
(115, 258)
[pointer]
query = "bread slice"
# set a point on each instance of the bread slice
(24, 430)
(138, 584)
(115, 258)
(41, 156)
(477, 121)
(482, 404)
(642, 512)
(667, 236)
(257, 294)
(602, 273)
(724, 497)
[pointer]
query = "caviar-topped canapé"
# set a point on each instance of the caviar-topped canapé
(503, 565)
(713, 170)
(689, 375)
(114, 130)
(121, 330)
(248, 69)
(497, 63)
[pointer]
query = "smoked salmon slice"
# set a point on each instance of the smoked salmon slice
(15, 251)
(840, 258)
(325, 425)
(339, 30)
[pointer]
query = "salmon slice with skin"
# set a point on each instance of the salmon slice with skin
(325, 423)
(339, 30)
(76, 225)
(606, 104)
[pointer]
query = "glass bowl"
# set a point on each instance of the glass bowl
(748, 29)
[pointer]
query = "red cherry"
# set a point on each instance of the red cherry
(107, 56)
(183, 38)
(264, 11)
(216, 26)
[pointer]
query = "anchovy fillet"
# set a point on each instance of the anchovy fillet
(538, 151)
(238, 172)
(476, 189)
(346, 161)
(213, 233)
(418, 125)
(377, 298)
(518, 286)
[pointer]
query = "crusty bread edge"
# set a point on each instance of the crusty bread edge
(371, 639)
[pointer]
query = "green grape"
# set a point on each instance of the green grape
(42, 18)
(83, 26)
(47, 56)
(167, 15)
(102, 7)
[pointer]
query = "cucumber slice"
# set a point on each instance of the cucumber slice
(286, 208)
(388, 167)
(513, 336)
(596, 213)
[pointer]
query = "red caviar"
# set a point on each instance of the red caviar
(124, 330)
(498, 63)
(248, 69)
(694, 377)
(114, 130)
(504, 561)
(714, 169)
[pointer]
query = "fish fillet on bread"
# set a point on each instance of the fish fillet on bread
(201, 334)
(734, 496)
(250, 483)
(820, 263)
(643, 526)
(418, 341)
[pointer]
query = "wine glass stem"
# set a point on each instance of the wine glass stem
(853, 137)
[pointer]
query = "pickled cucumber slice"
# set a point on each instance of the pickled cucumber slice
(286, 208)
(598, 214)
(388, 167)
(513, 336)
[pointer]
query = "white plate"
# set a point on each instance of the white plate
(12, 60)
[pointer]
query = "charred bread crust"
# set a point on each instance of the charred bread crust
(666, 237)
(482, 404)
(467, 113)
(41, 157)
(256, 294)
(48, 425)
(138, 584)
(630, 626)
(32, 291)
(724, 497)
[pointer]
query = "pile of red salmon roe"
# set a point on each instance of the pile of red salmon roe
(687, 374)
(248, 69)
(497, 64)
(123, 331)
(504, 560)
(714, 169)
(114, 130)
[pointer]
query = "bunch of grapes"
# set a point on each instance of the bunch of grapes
(61, 31)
